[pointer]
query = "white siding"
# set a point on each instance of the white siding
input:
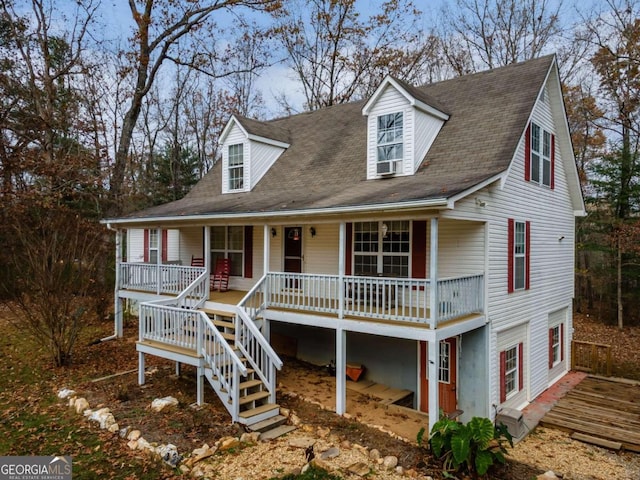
(173, 245)
(506, 340)
(321, 253)
(390, 101)
(426, 129)
(262, 158)
(552, 260)
(135, 245)
(460, 248)
(234, 137)
(191, 244)
(556, 318)
(276, 254)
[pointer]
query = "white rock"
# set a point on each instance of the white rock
(547, 476)
(81, 405)
(113, 428)
(66, 393)
(103, 416)
(134, 435)
(374, 454)
(160, 403)
(390, 462)
(169, 454)
(331, 453)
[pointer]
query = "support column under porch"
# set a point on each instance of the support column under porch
(176, 354)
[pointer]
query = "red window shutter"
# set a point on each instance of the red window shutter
(550, 348)
(419, 249)
(527, 154)
(503, 371)
(520, 366)
(348, 250)
(248, 251)
(527, 258)
(146, 245)
(165, 243)
(562, 342)
(510, 253)
(553, 162)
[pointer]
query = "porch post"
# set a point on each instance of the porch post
(341, 267)
(266, 249)
(207, 248)
(433, 276)
(117, 317)
(159, 261)
(433, 357)
(341, 365)
(141, 368)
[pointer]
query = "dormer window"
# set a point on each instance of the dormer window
(389, 142)
(236, 167)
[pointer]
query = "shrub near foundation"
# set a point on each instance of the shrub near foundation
(472, 448)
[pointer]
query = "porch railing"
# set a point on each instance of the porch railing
(159, 279)
(253, 345)
(399, 299)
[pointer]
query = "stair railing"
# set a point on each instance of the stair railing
(196, 293)
(250, 341)
(224, 363)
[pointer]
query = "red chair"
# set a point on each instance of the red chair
(197, 261)
(220, 275)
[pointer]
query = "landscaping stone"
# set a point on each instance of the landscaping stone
(169, 454)
(360, 468)
(66, 393)
(81, 404)
(134, 435)
(331, 453)
(160, 404)
(302, 442)
(103, 416)
(390, 462)
(374, 455)
(227, 443)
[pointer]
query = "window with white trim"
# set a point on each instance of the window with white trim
(235, 163)
(381, 248)
(389, 142)
(228, 242)
(153, 245)
(444, 372)
(511, 371)
(556, 349)
(540, 155)
(519, 255)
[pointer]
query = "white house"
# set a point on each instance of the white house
(426, 233)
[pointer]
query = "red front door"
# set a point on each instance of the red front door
(447, 376)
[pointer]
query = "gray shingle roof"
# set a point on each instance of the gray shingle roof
(324, 167)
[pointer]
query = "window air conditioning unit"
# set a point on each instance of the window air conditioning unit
(514, 421)
(386, 168)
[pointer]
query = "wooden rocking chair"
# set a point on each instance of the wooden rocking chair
(220, 275)
(197, 261)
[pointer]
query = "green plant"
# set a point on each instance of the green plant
(472, 448)
(313, 473)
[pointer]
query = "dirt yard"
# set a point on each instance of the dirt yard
(302, 389)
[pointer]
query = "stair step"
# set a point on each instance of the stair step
(228, 336)
(220, 313)
(250, 383)
(268, 424)
(276, 432)
(224, 324)
(252, 397)
(258, 411)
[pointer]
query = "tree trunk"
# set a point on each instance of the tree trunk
(619, 283)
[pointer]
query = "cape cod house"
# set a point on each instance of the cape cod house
(425, 233)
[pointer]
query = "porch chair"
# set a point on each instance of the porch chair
(220, 275)
(197, 261)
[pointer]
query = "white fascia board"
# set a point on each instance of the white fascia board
(474, 189)
(410, 98)
(430, 110)
(413, 205)
(268, 141)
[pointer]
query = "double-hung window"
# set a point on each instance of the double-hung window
(389, 142)
(382, 248)
(236, 167)
(541, 155)
(511, 369)
(556, 350)
(228, 242)
(152, 253)
(519, 239)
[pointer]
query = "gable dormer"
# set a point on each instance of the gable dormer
(249, 149)
(402, 123)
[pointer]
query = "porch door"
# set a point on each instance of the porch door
(447, 376)
(293, 251)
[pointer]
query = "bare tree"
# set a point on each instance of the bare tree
(480, 34)
(160, 26)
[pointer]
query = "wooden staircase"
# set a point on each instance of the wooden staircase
(253, 396)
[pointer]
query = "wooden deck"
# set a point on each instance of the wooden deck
(601, 411)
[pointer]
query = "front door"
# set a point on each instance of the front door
(447, 376)
(293, 250)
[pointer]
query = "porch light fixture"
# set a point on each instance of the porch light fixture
(480, 202)
(312, 231)
(273, 232)
(384, 230)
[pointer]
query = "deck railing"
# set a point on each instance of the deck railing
(398, 299)
(159, 279)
